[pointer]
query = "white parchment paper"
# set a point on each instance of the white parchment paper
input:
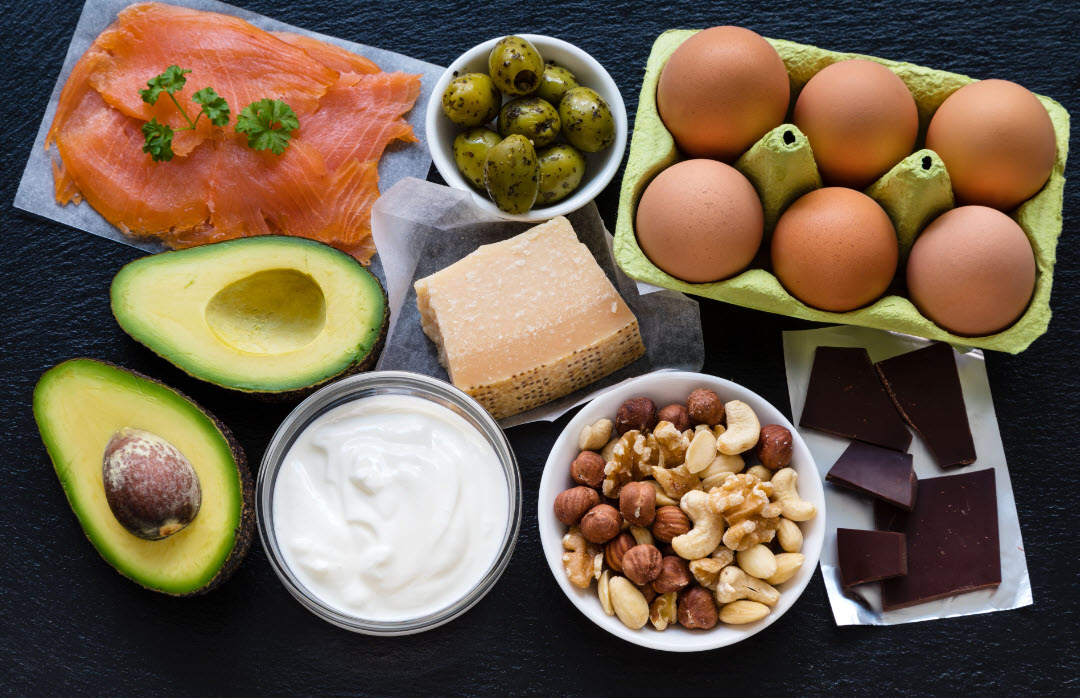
(861, 605)
(420, 228)
(36, 193)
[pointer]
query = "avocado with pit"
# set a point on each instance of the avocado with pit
(87, 411)
(270, 315)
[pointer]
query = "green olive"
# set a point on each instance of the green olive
(471, 151)
(554, 83)
(512, 174)
(471, 100)
(531, 117)
(586, 120)
(515, 65)
(561, 170)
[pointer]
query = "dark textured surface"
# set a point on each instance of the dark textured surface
(70, 623)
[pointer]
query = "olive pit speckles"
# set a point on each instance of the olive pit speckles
(531, 117)
(470, 153)
(512, 174)
(471, 100)
(587, 121)
(515, 65)
(562, 168)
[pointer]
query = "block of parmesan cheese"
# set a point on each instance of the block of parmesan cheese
(524, 321)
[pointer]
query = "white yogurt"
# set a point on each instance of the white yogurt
(390, 507)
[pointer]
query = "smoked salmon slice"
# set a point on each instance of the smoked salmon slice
(216, 187)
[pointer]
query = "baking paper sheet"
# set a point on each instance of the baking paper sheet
(420, 228)
(847, 509)
(36, 193)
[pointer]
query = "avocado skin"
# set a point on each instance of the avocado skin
(244, 531)
(282, 396)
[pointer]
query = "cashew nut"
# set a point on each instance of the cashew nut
(594, 436)
(642, 535)
(580, 560)
(702, 451)
(743, 429)
(762, 473)
(789, 535)
(787, 564)
(757, 561)
(742, 612)
(795, 507)
(718, 471)
(628, 602)
(735, 584)
(603, 592)
(707, 532)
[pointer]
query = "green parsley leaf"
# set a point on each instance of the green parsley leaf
(158, 140)
(213, 105)
(258, 121)
(172, 80)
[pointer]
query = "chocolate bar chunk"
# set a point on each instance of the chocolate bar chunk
(952, 539)
(878, 472)
(845, 397)
(869, 556)
(925, 386)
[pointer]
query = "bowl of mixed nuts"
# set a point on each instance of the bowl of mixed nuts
(681, 512)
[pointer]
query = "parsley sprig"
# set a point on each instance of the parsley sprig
(268, 123)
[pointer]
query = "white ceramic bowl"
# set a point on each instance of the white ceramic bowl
(600, 167)
(665, 389)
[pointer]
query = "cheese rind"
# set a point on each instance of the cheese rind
(521, 322)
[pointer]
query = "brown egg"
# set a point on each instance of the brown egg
(722, 90)
(700, 221)
(972, 271)
(996, 141)
(860, 119)
(835, 249)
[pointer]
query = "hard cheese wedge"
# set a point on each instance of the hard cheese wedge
(527, 320)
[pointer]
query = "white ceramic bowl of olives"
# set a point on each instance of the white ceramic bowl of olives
(567, 149)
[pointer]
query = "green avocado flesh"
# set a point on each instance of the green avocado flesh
(267, 314)
(78, 406)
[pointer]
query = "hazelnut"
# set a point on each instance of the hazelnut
(637, 503)
(571, 504)
(674, 575)
(588, 469)
(616, 548)
(773, 448)
(641, 564)
(647, 591)
(677, 415)
(601, 523)
(705, 407)
(697, 609)
(669, 523)
(637, 413)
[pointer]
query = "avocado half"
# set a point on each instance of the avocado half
(271, 315)
(79, 405)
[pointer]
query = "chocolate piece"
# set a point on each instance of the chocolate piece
(869, 556)
(878, 472)
(925, 386)
(845, 397)
(952, 539)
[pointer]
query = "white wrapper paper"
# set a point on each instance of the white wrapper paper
(36, 193)
(420, 228)
(861, 605)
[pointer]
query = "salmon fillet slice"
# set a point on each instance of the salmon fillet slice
(240, 61)
(333, 57)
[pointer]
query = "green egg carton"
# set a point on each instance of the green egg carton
(781, 167)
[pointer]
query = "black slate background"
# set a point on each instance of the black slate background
(68, 623)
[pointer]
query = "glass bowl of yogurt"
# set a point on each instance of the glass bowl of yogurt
(389, 503)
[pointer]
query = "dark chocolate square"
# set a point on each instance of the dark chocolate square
(877, 472)
(952, 539)
(869, 556)
(845, 397)
(925, 386)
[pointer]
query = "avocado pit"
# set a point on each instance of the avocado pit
(151, 487)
